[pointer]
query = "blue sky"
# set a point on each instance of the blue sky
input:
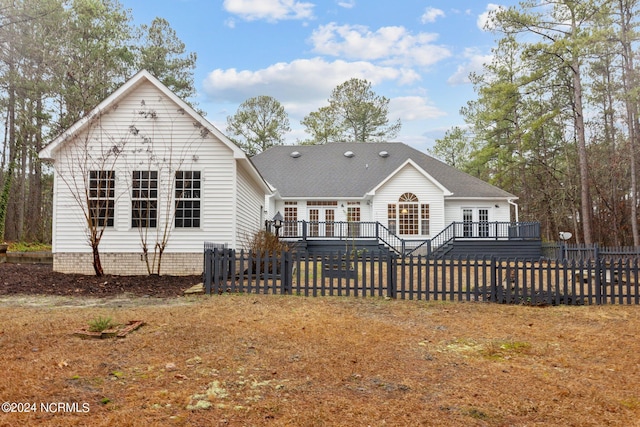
(417, 53)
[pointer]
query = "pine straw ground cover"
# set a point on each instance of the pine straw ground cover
(253, 360)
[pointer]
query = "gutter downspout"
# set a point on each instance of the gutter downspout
(511, 202)
(269, 213)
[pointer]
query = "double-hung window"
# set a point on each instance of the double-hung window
(187, 196)
(391, 217)
(101, 199)
(424, 218)
(290, 219)
(144, 199)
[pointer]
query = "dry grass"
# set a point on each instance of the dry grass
(244, 360)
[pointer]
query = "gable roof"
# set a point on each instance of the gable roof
(324, 171)
(48, 152)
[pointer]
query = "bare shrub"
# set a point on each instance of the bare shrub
(264, 242)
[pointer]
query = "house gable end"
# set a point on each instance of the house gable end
(112, 101)
(411, 163)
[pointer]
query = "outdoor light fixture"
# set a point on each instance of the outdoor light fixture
(565, 235)
(277, 222)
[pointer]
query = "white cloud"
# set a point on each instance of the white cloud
(431, 14)
(302, 85)
(390, 45)
(474, 63)
(347, 4)
(483, 21)
(269, 10)
(410, 108)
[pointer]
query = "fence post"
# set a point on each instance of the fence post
(494, 280)
(208, 263)
(304, 230)
(215, 271)
(286, 273)
(391, 275)
(598, 274)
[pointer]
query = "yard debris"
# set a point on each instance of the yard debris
(195, 289)
(120, 331)
(200, 404)
(194, 361)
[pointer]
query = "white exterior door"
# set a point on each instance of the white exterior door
(321, 222)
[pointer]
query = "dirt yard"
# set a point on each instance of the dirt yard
(249, 360)
(39, 279)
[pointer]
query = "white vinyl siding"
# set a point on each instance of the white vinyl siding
(410, 180)
(249, 207)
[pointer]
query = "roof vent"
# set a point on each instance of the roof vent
(349, 154)
(295, 154)
(383, 154)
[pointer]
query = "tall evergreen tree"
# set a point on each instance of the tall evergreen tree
(163, 54)
(96, 54)
(260, 122)
(357, 115)
(565, 37)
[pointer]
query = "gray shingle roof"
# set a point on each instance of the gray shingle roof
(323, 171)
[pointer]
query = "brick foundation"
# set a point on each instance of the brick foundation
(125, 264)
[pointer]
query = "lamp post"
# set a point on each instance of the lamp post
(277, 222)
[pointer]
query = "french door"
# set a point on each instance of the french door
(321, 222)
(475, 222)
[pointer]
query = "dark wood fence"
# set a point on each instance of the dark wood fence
(572, 251)
(508, 281)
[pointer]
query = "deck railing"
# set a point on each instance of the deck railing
(345, 230)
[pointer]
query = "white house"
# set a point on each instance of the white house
(414, 196)
(148, 170)
(149, 175)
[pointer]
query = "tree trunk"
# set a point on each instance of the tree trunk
(11, 116)
(631, 105)
(585, 194)
(97, 265)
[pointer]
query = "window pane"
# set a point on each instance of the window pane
(424, 216)
(408, 213)
(144, 195)
(187, 200)
(101, 198)
(290, 219)
(467, 219)
(353, 216)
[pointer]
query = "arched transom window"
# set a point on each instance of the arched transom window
(408, 216)
(408, 198)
